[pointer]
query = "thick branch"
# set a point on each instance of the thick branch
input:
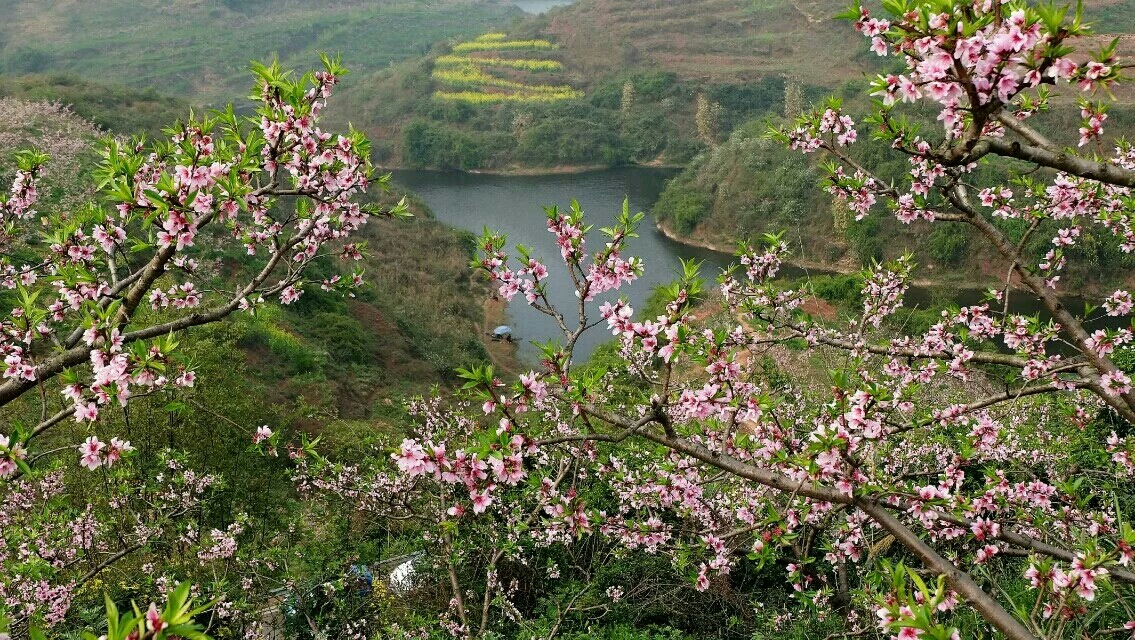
(959, 580)
(1033, 136)
(1070, 326)
(1059, 160)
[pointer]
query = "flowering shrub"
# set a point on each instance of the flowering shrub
(930, 472)
(966, 480)
(223, 217)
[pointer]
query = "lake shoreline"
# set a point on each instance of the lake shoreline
(558, 170)
(811, 265)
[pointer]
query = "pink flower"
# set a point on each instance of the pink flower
(116, 449)
(1116, 382)
(154, 620)
(1119, 303)
(89, 453)
(702, 582)
(481, 501)
(87, 411)
(186, 379)
(262, 434)
(290, 295)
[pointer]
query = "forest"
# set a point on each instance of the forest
(252, 388)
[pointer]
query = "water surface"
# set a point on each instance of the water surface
(540, 6)
(514, 205)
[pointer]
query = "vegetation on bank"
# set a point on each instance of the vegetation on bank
(635, 117)
(749, 186)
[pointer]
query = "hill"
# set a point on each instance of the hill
(641, 73)
(115, 108)
(203, 59)
(710, 41)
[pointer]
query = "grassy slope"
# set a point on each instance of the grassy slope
(116, 108)
(199, 49)
(419, 317)
(708, 41)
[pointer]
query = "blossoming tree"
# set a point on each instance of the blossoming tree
(96, 296)
(964, 479)
(932, 471)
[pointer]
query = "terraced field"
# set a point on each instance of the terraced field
(493, 69)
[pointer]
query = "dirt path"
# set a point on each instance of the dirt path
(808, 16)
(503, 354)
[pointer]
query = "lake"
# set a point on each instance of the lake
(540, 6)
(514, 205)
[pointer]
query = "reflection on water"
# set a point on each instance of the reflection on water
(540, 6)
(515, 205)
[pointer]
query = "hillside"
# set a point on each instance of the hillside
(110, 107)
(203, 59)
(644, 70)
(710, 41)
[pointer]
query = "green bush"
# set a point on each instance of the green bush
(644, 138)
(571, 141)
(343, 337)
(683, 205)
(865, 241)
(435, 145)
(839, 288)
(947, 243)
(649, 86)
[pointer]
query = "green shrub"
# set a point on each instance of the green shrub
(947, 243)
(865, 241)
(838, 288)
(343, 337)
(571, 141)
(684, 205)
